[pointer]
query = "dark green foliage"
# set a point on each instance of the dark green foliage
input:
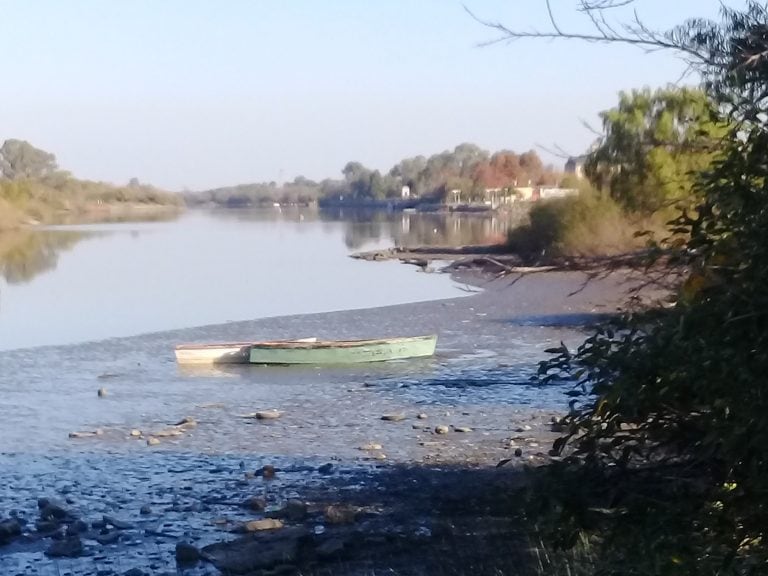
(666, 458)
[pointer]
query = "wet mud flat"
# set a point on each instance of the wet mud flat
(210, 515)
(366, 468)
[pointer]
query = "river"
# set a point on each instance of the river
(76, 283)
(101, 306)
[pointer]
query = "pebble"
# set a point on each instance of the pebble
(186, 553)
(119, 524)
(153, 441)
(145, 510)
(255, 503)
(325, 468)
(462, 429)
(267, 415)
(168, 433)
(108, 538)
(70, 548)
(101, 392)
(9, 529)
(265, 524)
(186, 422)
(135, 433)
(393, 417)
(267, 472)
(340, 514)
(441, 429)
(518, 452)
(370, 446)
(87, 434)
(422, 416)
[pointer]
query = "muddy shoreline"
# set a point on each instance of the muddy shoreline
(416, 494)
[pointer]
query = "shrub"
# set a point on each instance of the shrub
(587, 224)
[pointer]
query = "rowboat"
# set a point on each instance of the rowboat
(221, 352)
(342, 351)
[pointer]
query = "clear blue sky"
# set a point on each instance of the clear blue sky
(197, 94)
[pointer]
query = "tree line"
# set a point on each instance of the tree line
(33, 187)
(467, 168)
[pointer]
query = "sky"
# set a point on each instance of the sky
(196, 94)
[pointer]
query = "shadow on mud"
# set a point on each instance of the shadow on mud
(201, 515)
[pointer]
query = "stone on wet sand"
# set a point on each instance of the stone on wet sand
(370, 446)
(77, 527)
(186, 553)
(396, 417)
(330, 548)
(267, 472)
(256, 552)
(294, 510)
(326, 468)
(187, 422)
(52, 510)
(441, 429)
(255, 503)
(268, 415)
(422, 416)
(340, 514)
(70, 547)
(135, 433)
(9, 529)
(46, 526)
(518, 452)
(462, 429)
(153, 441)
(145, 510)
(101, 392)
(265, 524)
(168, 433)
(108, 538)
(86, 433)
(119, 524)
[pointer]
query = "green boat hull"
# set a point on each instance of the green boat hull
(343, 352)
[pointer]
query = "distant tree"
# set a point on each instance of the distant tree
(355, 171)
(134, 183)
(466, 157)
(409, 171)
(19, 159)
(377, 189)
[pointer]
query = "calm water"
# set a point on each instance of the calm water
(77, 283)
(214, 276)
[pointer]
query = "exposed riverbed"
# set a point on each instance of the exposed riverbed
(477, 391)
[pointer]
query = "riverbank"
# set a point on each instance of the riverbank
(415, 492)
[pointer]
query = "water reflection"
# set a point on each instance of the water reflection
(25, 254)
(422, 229)
(362, 227)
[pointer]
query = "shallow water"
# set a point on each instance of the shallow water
(488, 349)
(75, 283)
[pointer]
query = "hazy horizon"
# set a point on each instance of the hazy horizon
(197, 95)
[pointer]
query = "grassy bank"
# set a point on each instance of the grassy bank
(53, 198)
